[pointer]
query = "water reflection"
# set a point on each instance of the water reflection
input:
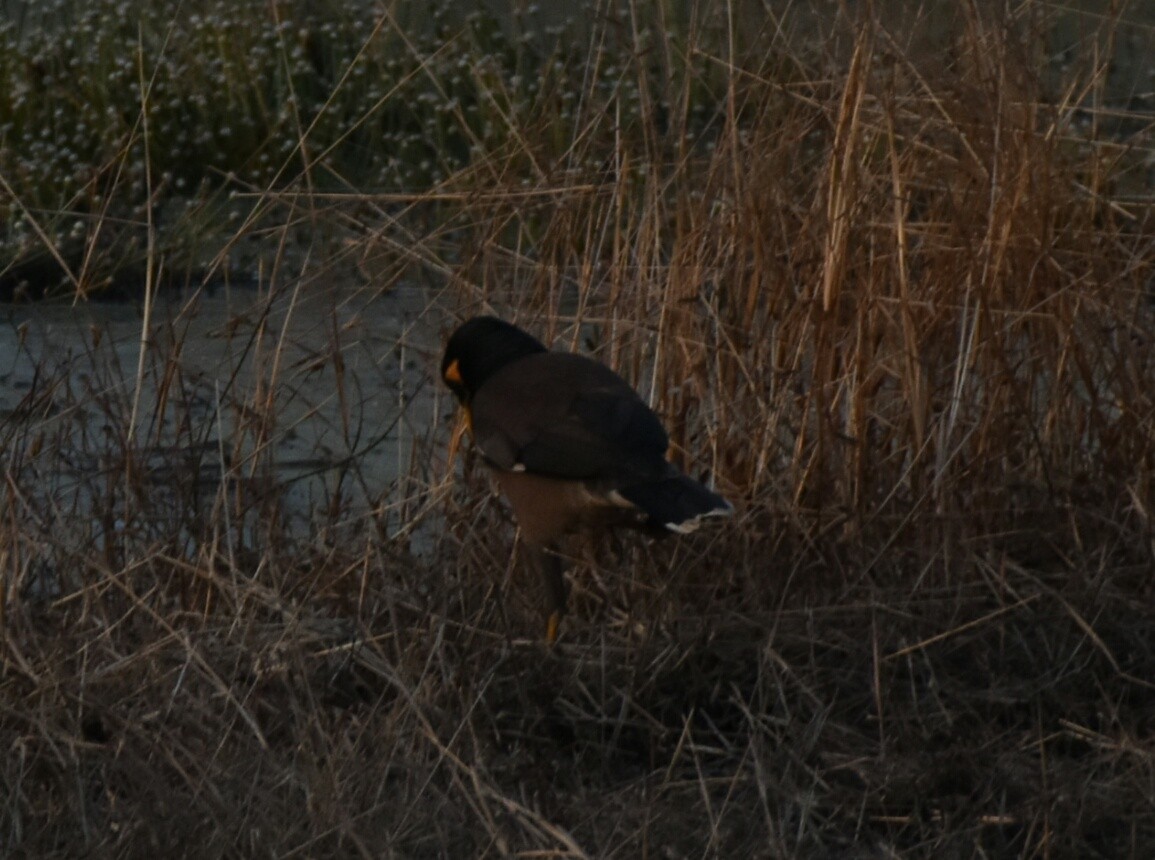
(227, 416)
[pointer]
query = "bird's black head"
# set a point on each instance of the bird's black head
(480, 348)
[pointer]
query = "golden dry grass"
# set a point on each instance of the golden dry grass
(892, 294)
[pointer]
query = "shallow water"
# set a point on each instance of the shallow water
(323, 400)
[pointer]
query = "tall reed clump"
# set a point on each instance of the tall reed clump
(892, 290)
(877, 292)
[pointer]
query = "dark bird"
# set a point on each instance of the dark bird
(570, 443)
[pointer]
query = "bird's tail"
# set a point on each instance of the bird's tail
(676, 501)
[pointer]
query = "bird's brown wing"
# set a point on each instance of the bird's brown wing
(567, 416)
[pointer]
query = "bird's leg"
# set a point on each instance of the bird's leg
(550, 564)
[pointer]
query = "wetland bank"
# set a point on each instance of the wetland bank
(887, 279)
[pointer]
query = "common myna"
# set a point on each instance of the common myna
(570, 443)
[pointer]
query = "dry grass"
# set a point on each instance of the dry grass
(891, 289)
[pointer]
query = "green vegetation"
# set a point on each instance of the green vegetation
(889, 281)
(121, 118)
